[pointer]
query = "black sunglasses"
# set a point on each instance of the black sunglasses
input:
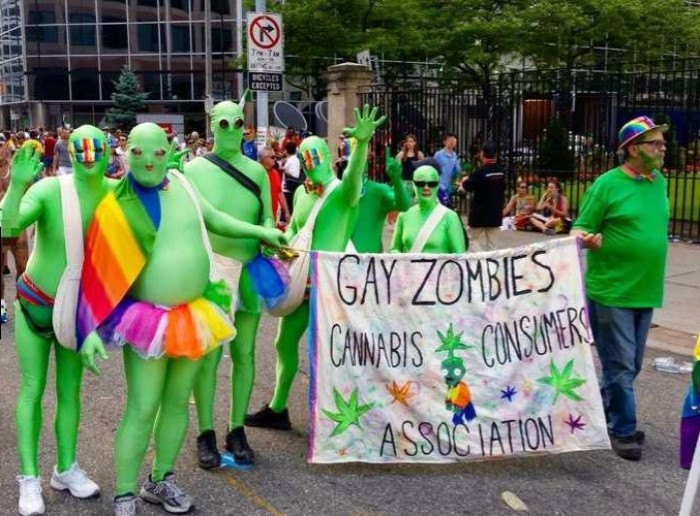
(429, 184)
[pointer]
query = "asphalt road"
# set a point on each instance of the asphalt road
(282, 482)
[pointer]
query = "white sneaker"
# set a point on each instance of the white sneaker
(76, 481)
(30, 499)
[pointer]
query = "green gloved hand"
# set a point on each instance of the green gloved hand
(365, 124)
(26, 166)
(92, 347)
(175, 158)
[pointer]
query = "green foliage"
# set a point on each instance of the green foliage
(555, 157)
(128, 100)
(472, 39)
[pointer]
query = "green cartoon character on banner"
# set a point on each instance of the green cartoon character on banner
(459, 397)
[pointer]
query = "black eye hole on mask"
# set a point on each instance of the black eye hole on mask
(237, 123)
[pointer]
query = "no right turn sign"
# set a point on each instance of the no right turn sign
(265, 43)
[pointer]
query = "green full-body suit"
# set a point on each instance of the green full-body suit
(446, 238)
(332, 231)
(376, 202)
(176, 273)
(41, 204)
(229, 196)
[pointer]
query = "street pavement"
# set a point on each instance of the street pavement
(595, 483)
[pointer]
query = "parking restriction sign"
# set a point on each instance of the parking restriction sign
(265, 43)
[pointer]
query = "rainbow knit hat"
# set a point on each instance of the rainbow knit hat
(635, 128)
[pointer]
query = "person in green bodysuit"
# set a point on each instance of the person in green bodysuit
(332, 232)
(448, 234)
(231, 196)
(37, 288)
(376, 202)
(171, 309)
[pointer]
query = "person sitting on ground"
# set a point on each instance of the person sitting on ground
(552, 211)
(522, 206)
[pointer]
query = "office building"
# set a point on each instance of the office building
(59, 58)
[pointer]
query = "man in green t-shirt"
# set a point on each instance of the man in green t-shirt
(623, 222)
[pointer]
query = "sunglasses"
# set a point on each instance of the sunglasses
(522, 186)
(429, 184)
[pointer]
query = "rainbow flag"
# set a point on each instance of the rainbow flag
(119, 241)
(690, 414)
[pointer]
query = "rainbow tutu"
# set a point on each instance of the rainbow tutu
(184, 331)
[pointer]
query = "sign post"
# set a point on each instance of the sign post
(265, 58)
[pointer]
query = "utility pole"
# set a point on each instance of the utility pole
(261, 105)
(208, 100)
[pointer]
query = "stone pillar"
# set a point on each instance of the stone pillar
(345, 81)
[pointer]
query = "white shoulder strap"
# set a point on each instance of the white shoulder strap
(311, 221)
(424, 234)
(195, 200)
(72, 222)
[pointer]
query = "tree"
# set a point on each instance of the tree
(474, 39)
(128, 100)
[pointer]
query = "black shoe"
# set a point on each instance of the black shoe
(267, 418)
(207, 453)
(639, 434)
(237, 444)
(627, 447)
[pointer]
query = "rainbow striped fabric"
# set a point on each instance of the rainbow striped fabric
(119, 241)
(635, 128)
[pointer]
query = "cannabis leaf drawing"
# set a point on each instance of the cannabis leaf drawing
(562, 381)
(400, 394)
(451, 342)
(348, 412)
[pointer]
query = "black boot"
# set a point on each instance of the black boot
(237, 444)
(207, 453)
(267, 418)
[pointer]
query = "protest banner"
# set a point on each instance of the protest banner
(440, 358)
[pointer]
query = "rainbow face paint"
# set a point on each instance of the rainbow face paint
(312, 158)
(86, 150)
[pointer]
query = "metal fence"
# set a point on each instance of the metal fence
(558, 123)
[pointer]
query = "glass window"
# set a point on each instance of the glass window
(181, 86)
(112, 8)
(83, 32)
(45, 17)
(114, 33)
(182, 5)
(45, 44)
(43, 34)
(108, 79)
(150, 83)
(85, 84)
(181, 38)
(48, 33)
(221, 6)
(221, 39)
(47, 78)
(148, 37)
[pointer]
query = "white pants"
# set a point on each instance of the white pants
(64, 171)
(483, 239)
